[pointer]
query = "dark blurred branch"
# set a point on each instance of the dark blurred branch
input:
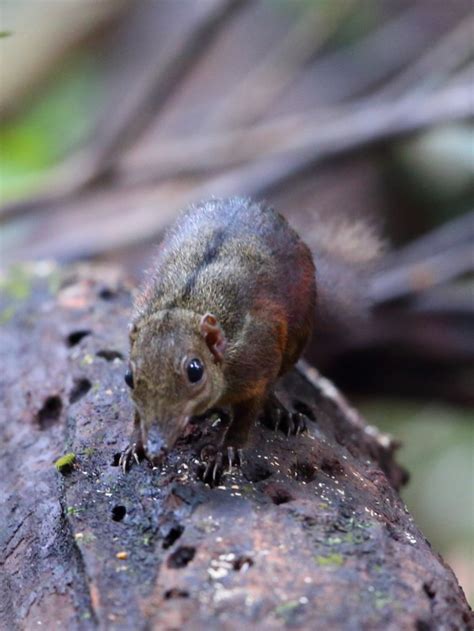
(435, 65)
(358, 130)
(414, 278)
(283, 148)
(158, 81)
(139, 106)
(350, 72)
(312, 144)
(455, 299)
(465, 75)
(346, 72)
(442, 255)
(252, 96)
(453, 234)
(299, 141)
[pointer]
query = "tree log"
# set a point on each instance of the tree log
(310, 534)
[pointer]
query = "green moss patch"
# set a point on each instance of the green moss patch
(65, 464)
(335, 559)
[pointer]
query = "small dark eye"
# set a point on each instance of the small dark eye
(128, 377)
(195, 370)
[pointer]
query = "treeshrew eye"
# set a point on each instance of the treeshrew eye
(194, 370)
(128, 377)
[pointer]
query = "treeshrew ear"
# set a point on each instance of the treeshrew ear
(212, 333)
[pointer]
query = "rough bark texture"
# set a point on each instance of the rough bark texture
(312, 534)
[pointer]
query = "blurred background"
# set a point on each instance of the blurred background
(115, 114)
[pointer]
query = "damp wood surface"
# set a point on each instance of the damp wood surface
(310, 534)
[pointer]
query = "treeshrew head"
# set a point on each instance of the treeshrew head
(175, 370)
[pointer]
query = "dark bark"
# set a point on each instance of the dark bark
(312, 533)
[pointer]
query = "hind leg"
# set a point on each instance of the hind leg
(285, 418)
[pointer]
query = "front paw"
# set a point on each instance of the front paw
(217, 462)
(133, 453)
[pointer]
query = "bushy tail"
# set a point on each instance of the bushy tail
(345, 254)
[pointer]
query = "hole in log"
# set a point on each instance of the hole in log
(242, 563)
(429, 591)
(80, 388)
(175, 592)
(423, 625)
(278, 494)
(301, 406)
(173, 534)
(109, 355)
(118, 513)
(332, 467)
(107, 294)
(115, 459)
(304, 471)
(50, 412)
(76, 336)
(392, 531)
(181, 557)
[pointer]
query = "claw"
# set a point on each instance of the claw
(230, 458)
(240, 457)
(213, 462)
(299, 421)
(207, 469)
(288, 421)
(130, 455)
(277, 419)
(125, 458)
(217, 467)
(213, 469)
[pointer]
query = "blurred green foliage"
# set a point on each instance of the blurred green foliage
(53, 124)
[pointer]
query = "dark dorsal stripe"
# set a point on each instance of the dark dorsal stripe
(209, 255)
